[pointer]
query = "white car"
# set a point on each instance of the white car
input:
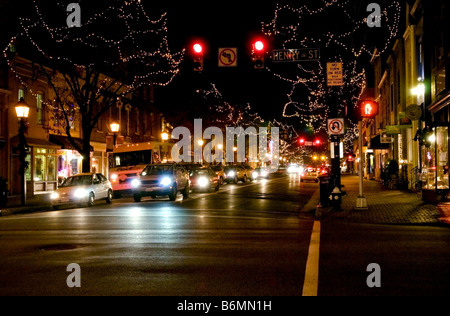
(83, 189)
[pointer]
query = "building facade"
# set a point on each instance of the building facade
(413, 91)
(51, 156)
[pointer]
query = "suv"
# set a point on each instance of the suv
(162, 180)
(234, 174)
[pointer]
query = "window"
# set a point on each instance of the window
(40, 110)
(440, 82)
(21, 94)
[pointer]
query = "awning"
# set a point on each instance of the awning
(376, 144)
(35, 142)
(64, 143)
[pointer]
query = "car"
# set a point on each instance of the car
(261, 173)
(204, 179)
(82, 189)
(234, 174)
(220, 172)
(159, 180)
(250, 172)
(310, 174)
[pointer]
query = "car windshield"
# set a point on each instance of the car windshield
(199, 172)
(77, 181)
(228, 169)
(157, 170)
(216, 168)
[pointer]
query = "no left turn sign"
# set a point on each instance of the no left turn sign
(227, 57)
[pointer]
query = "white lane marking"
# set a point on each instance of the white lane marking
(311, 284)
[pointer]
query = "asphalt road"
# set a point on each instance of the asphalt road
(246, 240)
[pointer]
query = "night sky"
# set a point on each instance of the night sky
(225, 24)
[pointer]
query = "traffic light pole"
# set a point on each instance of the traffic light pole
(361, 203)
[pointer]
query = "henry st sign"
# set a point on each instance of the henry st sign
(295, 55)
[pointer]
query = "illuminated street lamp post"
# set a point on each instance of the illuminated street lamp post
(22, 112)
(115, 128)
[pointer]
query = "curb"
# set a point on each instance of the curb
(24, 210)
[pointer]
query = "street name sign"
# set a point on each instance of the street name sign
(295, 55)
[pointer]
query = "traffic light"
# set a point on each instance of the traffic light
(318, 142)
(259, 51)
(302, 141)
(198, 57)
(369, 109)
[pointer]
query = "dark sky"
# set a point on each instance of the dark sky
(224, 24)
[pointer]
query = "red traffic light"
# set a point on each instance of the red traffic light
(198, 48)
(317, 142)
(369, 109)
(350, 158)
(259, 46)
(302, 141)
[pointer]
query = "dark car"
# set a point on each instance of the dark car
(204, 179)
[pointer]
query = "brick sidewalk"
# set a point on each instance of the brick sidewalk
(385, 206)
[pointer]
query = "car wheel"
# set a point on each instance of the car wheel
(91, 200)
(217, 188)
(173, 194)
(236, 180)
(245, 179)
(186, 191)
(137, 198)
(110, 197)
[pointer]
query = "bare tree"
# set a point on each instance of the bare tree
(116, 50)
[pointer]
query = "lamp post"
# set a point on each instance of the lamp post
(22, 112)
(165, 136)
(115, 128)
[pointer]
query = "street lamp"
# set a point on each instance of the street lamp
(22, 112)
(115, 128)
(165, 136)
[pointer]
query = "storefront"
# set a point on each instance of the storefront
(41, 176)
(435, 162)
(434, 153)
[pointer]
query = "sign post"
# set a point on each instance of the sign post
(361, 202)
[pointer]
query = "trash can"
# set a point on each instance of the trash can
(325, 191)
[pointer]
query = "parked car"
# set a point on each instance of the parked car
(234, 174)
(83, 189)
(310, 174)
(204, 179)
(162, 180)
(220, 172)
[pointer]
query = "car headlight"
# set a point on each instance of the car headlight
(264, 174)
(114, 177)
(54, 196)
(136, 183)
(81, 193)
(165, 182)
(203, 182)
(255, 175)
(231, 174)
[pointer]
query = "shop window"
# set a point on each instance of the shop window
(435, 160)
(442, 157)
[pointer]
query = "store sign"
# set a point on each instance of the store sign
(386, 139)
(393, 130)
